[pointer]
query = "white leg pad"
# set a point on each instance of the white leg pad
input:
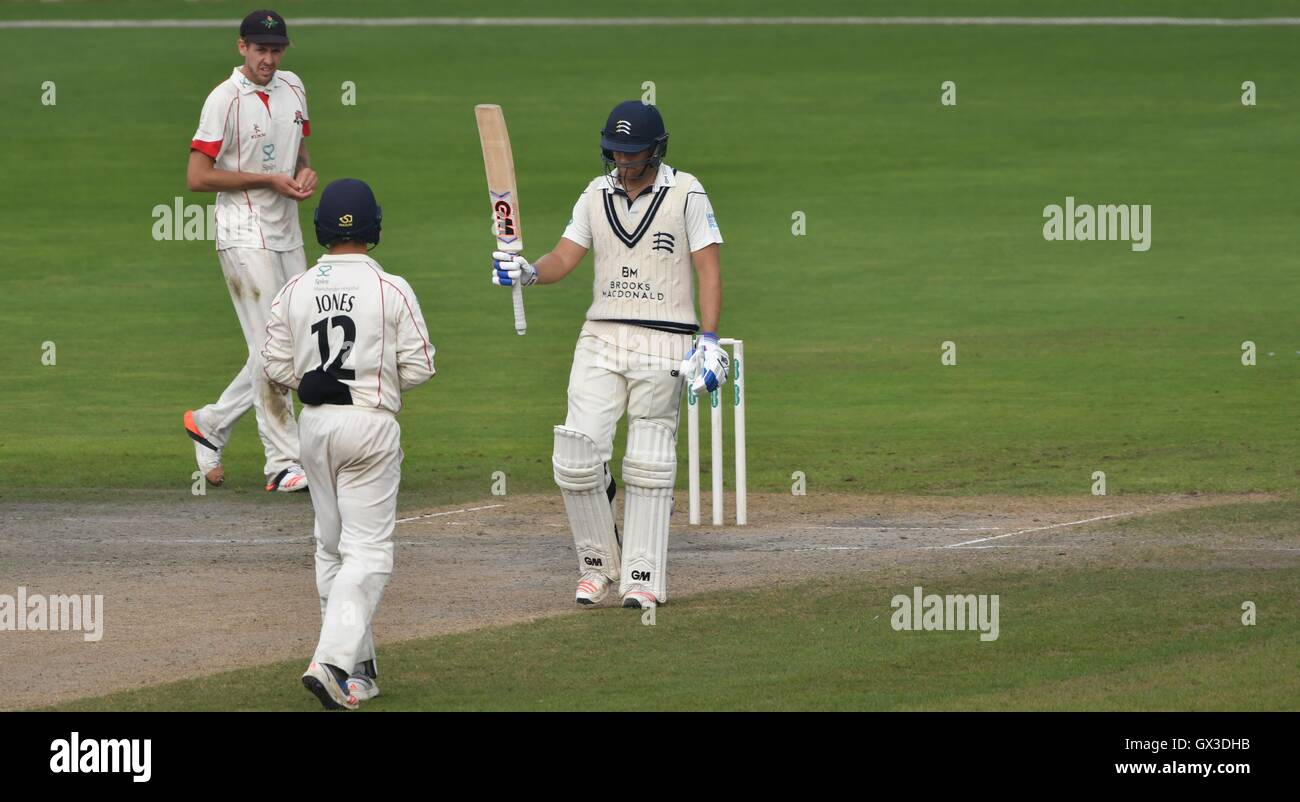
(581, 476)
(649, 471)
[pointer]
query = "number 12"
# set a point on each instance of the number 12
(321, 329)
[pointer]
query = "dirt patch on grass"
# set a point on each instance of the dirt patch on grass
(196, 586)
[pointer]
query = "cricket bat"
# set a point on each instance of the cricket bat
(503, 191)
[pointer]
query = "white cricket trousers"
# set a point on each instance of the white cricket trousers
(605, 382)
(254, 276)
(353, 459)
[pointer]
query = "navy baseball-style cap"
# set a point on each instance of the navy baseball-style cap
(264, 27)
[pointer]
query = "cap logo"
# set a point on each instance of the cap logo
(345, 220)
(270, 22)
(623, 127)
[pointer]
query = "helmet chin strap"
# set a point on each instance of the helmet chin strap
(619, 170)
(645, 166)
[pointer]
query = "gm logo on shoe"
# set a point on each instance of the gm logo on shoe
(593, 561)
(641, 576)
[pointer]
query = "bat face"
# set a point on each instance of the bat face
(499, 163)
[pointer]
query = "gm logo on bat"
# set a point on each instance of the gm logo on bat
(505, 216)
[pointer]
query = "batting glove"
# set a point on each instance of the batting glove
(509, 269)
(706, 364)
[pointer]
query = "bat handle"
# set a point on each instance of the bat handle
(521, 324)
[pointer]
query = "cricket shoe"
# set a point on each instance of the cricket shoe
(332, 692)
(592, 588)
(362, 687)
(206, 454)
(289, 480)
(640, 599)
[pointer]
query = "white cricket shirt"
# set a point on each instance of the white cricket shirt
(701, 226)
(249, 128)
(347, 316)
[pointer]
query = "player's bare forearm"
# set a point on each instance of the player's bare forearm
(549, 269)
(202, 176)
(559, 262)
(708, 271)
(303, 175)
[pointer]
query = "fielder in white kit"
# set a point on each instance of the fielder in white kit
(250, 148)
(350, 339)
(649, 225)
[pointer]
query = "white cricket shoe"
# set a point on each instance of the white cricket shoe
(329, 689)
(640, 598)
(289, 480)
(206, 454)
(362, 687)
(592, 588)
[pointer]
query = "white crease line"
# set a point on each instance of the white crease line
(1255, 548)
(1039, 529)
(1013, 546)
(219, 541)
(688, 22)
(450, 512)
(838, 548)
(841, 548)
(832, 548)
(999, 546)
(287, 538)
(913, 528)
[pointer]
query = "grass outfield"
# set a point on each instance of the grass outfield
(923, 225)
(226, 9)
(1162, 633)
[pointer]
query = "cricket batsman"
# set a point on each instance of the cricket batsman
(251, 149)
(649, 225)
(350, 339)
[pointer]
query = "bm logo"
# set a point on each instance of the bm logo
(593, 561)
(641, 576)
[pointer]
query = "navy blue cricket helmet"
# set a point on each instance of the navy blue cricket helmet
(632, 127)
(348, 211)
